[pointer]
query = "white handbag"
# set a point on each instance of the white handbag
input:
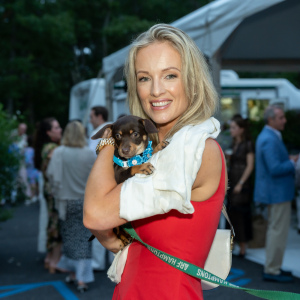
(218, 261)
(219, 258)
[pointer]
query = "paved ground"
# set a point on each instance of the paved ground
(22, 275)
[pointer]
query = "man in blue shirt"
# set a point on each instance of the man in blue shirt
(275, 187)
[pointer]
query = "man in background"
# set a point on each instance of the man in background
(98, 119)
(275, 186)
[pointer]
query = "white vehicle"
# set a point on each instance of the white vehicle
(83, 97)
(248, 97)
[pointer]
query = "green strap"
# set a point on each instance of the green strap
(197, 272)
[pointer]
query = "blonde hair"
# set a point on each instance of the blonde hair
(199, 89)
(74, 135)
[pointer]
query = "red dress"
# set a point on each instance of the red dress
(186, 236)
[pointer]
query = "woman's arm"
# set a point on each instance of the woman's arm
(247, 172)
(102, 194)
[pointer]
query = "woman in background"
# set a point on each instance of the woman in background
(241, 164)
(68, 172)
(47, 138)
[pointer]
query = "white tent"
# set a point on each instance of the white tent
(209, 27)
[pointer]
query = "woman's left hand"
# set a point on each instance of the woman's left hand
(109, 240)
(237, 189)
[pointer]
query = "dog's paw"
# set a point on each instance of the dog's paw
(162, 145)
(147, 169)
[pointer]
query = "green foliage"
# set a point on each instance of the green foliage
(255, 128)
(291, 134)
(9, 159)
(44, 46)
(5, 214)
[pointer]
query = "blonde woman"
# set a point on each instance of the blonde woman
(177, 208)
(68, 171)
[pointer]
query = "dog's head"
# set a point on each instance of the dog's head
(130, 134)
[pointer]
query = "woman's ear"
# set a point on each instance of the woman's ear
(105, 132)
(149, 125)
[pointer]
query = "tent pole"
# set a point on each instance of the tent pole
(215, 65)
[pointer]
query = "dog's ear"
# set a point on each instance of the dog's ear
(105, 132)
(149, 126)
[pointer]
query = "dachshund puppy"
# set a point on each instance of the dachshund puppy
(131, 138)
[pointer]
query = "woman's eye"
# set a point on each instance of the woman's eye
(143, 79)
(136, 134)
(118, 136)
(171, 76)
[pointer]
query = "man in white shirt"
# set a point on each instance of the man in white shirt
(98, 119)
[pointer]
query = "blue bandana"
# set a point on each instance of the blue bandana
(135, 160)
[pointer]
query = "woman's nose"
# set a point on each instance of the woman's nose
(157, 88)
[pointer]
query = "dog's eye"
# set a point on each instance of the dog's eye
(118, 136)
(135, 134)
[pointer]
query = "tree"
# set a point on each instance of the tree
(47, 46)
(37, 55)
(9, 159)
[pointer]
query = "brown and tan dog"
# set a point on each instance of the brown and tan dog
(131, 136)
(131, 139)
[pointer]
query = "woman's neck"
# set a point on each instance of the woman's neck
(162, 133)
(164, 129)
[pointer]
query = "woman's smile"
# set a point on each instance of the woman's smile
(160, 104)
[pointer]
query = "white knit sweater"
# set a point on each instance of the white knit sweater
(176, 168)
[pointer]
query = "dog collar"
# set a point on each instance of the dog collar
(135, 160)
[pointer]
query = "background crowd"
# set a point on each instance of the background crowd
(272, 187)
(56, 163)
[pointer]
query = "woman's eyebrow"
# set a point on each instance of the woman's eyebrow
(170, 68)
(163, 70)
(141, 71)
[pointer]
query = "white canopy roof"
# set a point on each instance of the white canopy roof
(208, 26)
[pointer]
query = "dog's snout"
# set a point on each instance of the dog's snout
(126, 150)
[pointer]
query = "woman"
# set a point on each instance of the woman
(68, 171)
(241, 164)
(47, 138)
(169, 83)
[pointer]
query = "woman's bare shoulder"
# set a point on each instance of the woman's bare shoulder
(211, 159)
(209, 174)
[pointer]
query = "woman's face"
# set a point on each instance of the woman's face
(55, 132)
(160, 84)
(235, 130)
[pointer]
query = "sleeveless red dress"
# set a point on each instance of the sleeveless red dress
(186, 236)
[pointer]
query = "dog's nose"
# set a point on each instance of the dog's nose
(125, 150)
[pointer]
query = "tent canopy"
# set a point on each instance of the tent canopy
(266, 41)
(237, 31)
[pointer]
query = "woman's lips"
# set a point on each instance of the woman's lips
(161, 104)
